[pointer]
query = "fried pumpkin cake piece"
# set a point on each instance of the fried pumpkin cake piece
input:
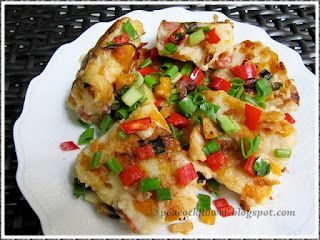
(208, 45)
(142, 210)
(234, 171)
(286, 98)
(92, 92)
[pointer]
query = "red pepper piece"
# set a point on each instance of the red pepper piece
(245, 71)
(186, 174)
(67, 146)
(147, 70)
(216, 160)
(142, 44)
(197, 76)
(177, 120)
(178, 36)
(130, 175)
(220, 84)
(289, 118)
(136, 125)
(145, 152)
(224, 207)
(252, 117)
(158, 102)
(249, 165)
(121, 39)
(212, 36)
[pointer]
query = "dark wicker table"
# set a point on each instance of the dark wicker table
(34, 32)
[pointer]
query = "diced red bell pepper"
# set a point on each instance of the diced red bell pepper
(67, 146)
(178, 36)
(122, 39)
(220, 84)
(245, 72)
(145, 152)
(147, 70)
(136, 125)
(252, 117)
(130, 175)
(158, 102)
(249, 165)
(212, 36)
(216, 160)
(197, 76)
(289, 118)
(177, 120)
(142, 44)
(186, 174)
(186, 78)
(153, 53)
(224, 207)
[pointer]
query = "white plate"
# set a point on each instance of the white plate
(45, 173)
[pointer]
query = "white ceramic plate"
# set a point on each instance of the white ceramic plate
(45, 173)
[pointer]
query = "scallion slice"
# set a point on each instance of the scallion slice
(187, 69)
(170, 48)
(246, 98)
(196, 37)
(122, 135)
(197, 119)
(165, 67)
(164, 194)
(187, 106)
(124, 89)
(110, 43)
(174, 98)
(239, 92)
(95, 160)
(198, 99)
(132, 95)
(128, 28)
(149, 184)
(232, 91)
(255, 144)
(282, 153)
(204, 202)
(78, 188)
(150, 82)
(139, 80)
(237, 82)
(86, 136)
(228, 124)
(133, 107)
(243, 151)
(263, 88)
(172, 71)
(176, 77)
(214, 186)
(122, 113)
(114, 166)
(209, 109)
(176, 135)
(205, 29)
(211, 147)
(106, 123)
(85, 125)
(146, 63)
(143, 98)
(261, 167)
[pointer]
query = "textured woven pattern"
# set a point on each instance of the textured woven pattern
(33, 33)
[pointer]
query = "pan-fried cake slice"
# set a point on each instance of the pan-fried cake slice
(275, 132)
(92, 92)
(286, 99)
(142, 211)
(208, 45)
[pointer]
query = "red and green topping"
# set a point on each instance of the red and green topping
(224, 208)
(186, 174)
(136, 125)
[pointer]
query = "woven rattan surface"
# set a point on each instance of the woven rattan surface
(34, 32)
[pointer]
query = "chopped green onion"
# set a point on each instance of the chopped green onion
(165, 67)
(114, 166)
(261, 101)
(143, 98)
(237, 82)
(132, 95)
(139, 80)
(245, 156)
(197, 119)
(232, 91)
(204, 202)
(187, 69)
(198, 90)
(261, 167)
(86, 125)
(106, 123)
(196, 37)
(122, 114)
(157, 146)
(123, 136)
(205, 80)
(176, 135)
(187, 106)
(282, 153)
(146, 63)
(111, 43)
(246, 98)
(78, 188)
(266, 74)
(276, 86)
(150, 81)
(211, 147)
(263, 88)
(156, 74)
(133, 107)
(128, 28)
(86, 136)
(174, 98)
(214, 186)
(263, 105)
(199, 99)
(95, 160)
(209, 109)
(256, 142)
(150, 184)
(124, 89)
(85, 85)
(239, 92)
(164, 194)
(172, 71)
(170, 48)
(176, 77)
(205, 29)
(228, 124)
(179, 134)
